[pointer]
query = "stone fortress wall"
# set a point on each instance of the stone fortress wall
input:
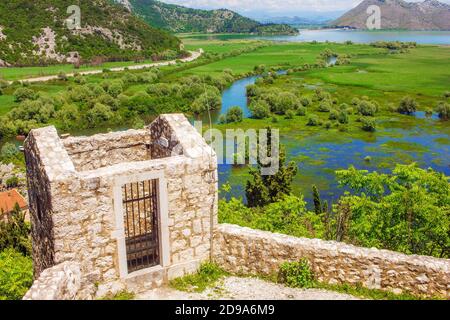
(77, 233)
(73, 211)
(248, 251)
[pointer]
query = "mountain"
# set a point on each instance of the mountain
(399, 14)
(36, 32)
(304, 18)
(177, 18)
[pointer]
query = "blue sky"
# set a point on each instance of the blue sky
(274, 7)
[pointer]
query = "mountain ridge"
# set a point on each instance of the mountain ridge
(37, 34)
(399, 14)
(179, 19)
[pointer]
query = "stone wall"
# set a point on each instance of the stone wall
(61, 282)
(101, 150)
(250, 251)
(82, 218)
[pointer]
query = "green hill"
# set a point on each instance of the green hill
(35, 32)
(181, 19)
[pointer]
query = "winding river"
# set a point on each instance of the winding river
(400, 139)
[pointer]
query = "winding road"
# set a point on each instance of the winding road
(194, 55)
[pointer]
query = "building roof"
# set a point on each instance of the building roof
(8, 200)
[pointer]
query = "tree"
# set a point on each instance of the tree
(443, 110)
(317, 201)
(260, 109)
(407, 106)
(264, 189)
(15, 232)
(22, 94)
(368, 124)
(234, 115)
(406, 210)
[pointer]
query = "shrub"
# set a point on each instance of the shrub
(260, 109)
(324, 106)
(296, 274)
(301, 111)
(234, 114)
(210, 99)
(407, 106)
(62, 76)
(334, 114)
(207, 276)
(284, 102)
(289, 114)
(443, 110)
(429, 112)
(305, 101)
(328, 125)
(367, 108)
(22, 94)
(98, 114)
(313, 120)
(343, 117)
(368, 124)
(115, 89)
(9, 150)
(12, 182)
(16, 275)
(447, 94)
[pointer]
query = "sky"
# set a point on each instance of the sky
(275, 7)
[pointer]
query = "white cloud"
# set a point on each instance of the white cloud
(271, 7)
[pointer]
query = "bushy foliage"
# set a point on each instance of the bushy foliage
(443, 110)
(15, 232)
(260, 109)
(296, 274)
(22, 94)
(368, 124)
(407, 106)
(234, 115)
(313, 120)
(367, 108)
(16, 274)
(405, 211)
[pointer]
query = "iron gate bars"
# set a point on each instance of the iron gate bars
(141, 212)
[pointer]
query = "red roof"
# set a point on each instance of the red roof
(8, 200)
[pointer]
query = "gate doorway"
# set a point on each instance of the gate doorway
(141, 214)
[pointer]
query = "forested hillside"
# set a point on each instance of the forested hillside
(37, 33)
(181, 19)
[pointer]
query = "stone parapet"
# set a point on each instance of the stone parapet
(249, 251)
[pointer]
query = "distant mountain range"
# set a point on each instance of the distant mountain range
(180, 19)
(399, 14)
(36, 32)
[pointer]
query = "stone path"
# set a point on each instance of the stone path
(194, 55)
(234, 288)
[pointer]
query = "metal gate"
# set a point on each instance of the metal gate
(141, 211)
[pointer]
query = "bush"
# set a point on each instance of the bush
(305, 101)
(260, 109)
(98, 114)
(407, 106)
(343, 117)
(443, 110)
(289, 115)
(313, 120)
(115, 89)
(16, 275)
(324, 107)
(234, 115)
(368, 124)
(62, 76)
(12, 182)
(9, 150)
(367, 108)
(22, 94)
(207, 276)
(328, 125)
(296, 274)
(301, 111)
(334, 114)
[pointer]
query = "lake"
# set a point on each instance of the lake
(338, 35)
(396, 141)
